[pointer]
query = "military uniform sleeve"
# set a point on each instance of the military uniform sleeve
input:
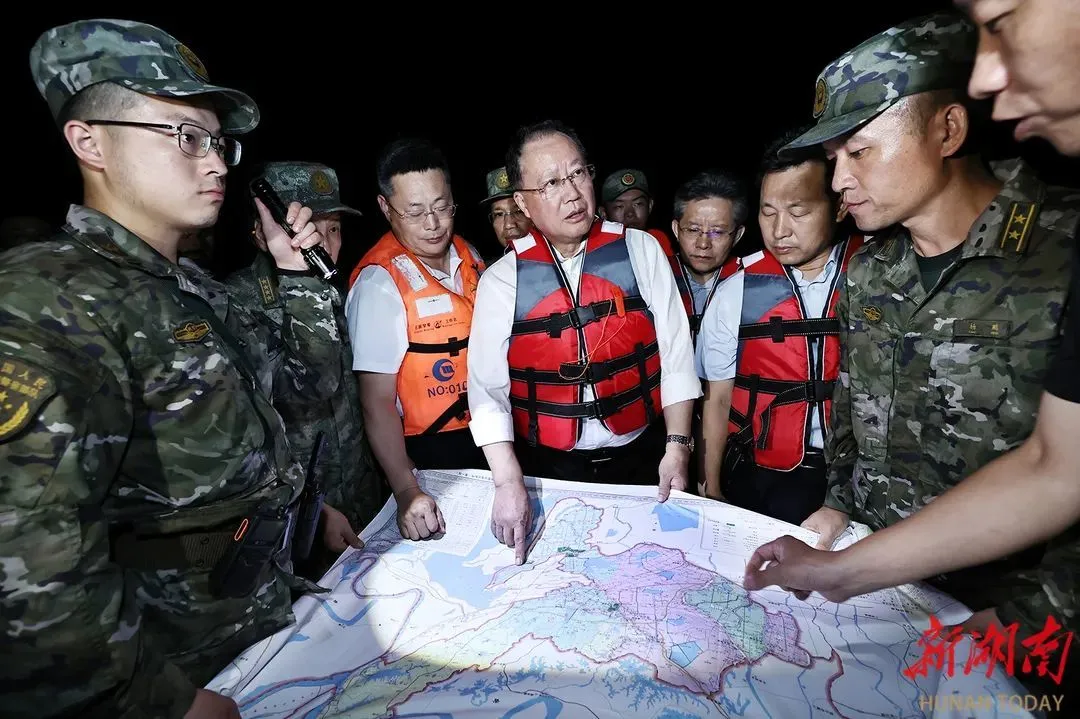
(71, 636)
(840, 447)
(311, 337)
(1057, 596)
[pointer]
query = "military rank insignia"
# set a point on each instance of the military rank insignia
(1018, 226)
(24, 388)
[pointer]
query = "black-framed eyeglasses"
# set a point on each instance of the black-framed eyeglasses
(578, 177)
(443, 211)
(193, 140)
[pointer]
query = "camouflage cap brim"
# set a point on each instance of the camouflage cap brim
(238, 112)
(496, 196)
(317, 209)
(836, 127)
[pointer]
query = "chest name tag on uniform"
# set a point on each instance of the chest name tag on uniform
(437, 305)
(191, 331)
(982, 328)
(24, 388)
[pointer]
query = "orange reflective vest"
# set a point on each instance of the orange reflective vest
(605, 339)
(432, 383)
(777, 382)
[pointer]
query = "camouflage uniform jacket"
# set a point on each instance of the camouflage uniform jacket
(126, 408)
(348, 472)
(935, 384)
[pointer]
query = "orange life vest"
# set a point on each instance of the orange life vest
(558, 346)
(777, 382)
(432, 381)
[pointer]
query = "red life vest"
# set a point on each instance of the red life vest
(776, 381)
(681, 280)
(558, 346)
(731, 265)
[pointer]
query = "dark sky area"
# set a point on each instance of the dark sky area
(667, 90)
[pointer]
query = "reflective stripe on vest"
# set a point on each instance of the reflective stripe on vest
(557, 347)
(777, 382)
(431, 382)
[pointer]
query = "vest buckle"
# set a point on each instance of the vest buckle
(581, 316)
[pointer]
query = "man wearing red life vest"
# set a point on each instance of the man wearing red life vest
(709, 219)
(409, 310)
(769, 348)
(580, 344)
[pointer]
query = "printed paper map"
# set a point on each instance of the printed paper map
(624, 608)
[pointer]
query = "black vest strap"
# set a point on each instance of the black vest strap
(456, 410)
(584, 372)
(596, 409)
(555, 323)
(452, 347)
(777, 328)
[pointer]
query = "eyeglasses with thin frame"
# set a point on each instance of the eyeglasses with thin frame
(693, 233)
(504, 216)
(444, 212)
(550, 188)
(193, 140)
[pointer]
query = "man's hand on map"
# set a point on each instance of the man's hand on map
(418, 516)
(829, 523)
(511, 515)
(337, 532)
(211, 705)
(793, 565)
(674, 469)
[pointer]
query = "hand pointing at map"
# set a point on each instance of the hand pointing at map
(795, 566)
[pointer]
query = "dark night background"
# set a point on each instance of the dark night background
(669, 91)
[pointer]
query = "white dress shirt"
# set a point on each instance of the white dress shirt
(375, 311)
(493, 316)
(717, 348)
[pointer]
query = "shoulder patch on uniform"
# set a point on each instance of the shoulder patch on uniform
(191, 331)
(24, 388)
(754, 258)
(1017, 230)
(266, 291)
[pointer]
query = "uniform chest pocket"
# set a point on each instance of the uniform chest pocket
(987, 388)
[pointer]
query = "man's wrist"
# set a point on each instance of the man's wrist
(680, 441)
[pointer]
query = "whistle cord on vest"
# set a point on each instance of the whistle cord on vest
(589, 352)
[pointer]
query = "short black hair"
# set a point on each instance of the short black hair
(527, 134)
(100, 101)
(772, 160)
(408, 154)
(711, 184)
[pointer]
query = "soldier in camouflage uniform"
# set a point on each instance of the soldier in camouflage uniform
(348, 472)
(952, 313)
(136, 429)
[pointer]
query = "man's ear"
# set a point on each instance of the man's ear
(519, 200)
(954, 126)
(87, 143)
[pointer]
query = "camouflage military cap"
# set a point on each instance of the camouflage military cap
(498, 186)
(309, 183)
(140, 57)
(932, 52)
(621, 181)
